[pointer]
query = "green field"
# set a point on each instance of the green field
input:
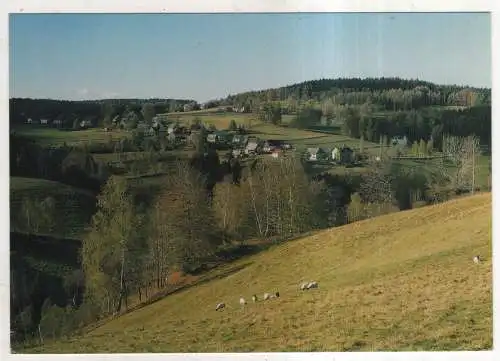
(55, 137)
(73, 206)
(220, 120)
(404, 281)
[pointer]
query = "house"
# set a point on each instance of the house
(149, 132)
(119, 122)
(275, 154)
(239, 140)
(29, 121)
(316, 154)
(57, 122)
(252, 147)
(85, 124)
(399, 140)
(218, 137)
(272, 145)
(342, 155)
(44, 121)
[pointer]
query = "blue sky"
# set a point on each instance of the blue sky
(206, 56)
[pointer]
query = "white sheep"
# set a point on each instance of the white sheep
(220, 306)
(268, 296)
(254, 298)
(476, 259)
(303, 286)
(242, 301)
(312, 284)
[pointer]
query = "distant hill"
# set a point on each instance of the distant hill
(404, 281)
(387, 92)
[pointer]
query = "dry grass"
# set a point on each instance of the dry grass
(404, 281)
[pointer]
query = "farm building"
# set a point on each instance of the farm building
(44, 121)
(316, 154)
(29, 121)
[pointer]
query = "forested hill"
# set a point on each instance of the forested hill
(390, 93)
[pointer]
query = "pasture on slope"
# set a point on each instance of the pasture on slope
(404, 281)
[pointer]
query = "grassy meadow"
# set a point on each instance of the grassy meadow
(404, 281)
(56, 137)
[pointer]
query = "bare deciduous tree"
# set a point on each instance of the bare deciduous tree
(462, 153)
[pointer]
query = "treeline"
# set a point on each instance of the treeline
(424, 124)
(388, 93)
(95, 111)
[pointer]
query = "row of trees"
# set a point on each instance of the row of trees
(388, 93)
(97, 111)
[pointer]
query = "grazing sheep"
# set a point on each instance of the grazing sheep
(313, 284)
(271, 295)
(220, 306)
(303, 286)
(254, 298)
(476, 259)
(242, 301)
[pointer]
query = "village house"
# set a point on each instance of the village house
(239, 140)
(44, 121)
(84, 124)
(399, 140)
(343, 155)
(218, 137)
(119, 122)
(253, 147)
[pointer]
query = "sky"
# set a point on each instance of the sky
(208, 56)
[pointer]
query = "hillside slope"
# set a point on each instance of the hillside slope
(404, 281)
(73, 207)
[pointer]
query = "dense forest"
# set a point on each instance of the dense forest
(387, 93)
